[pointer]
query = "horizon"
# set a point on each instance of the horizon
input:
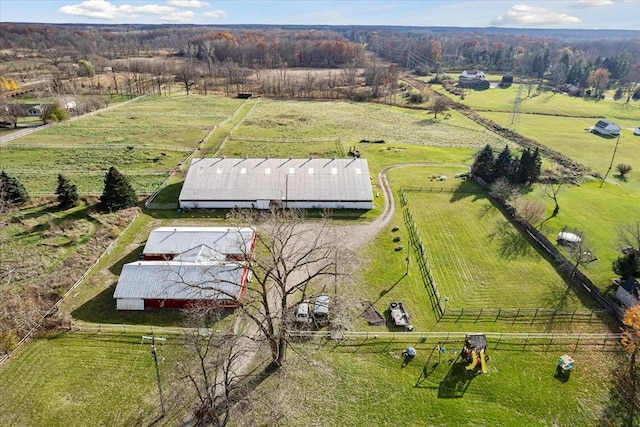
(588, 15)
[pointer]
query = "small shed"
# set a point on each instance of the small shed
(606, 128)
(628, 292)
(34, 111)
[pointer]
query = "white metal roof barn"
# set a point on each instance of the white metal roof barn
(179, 284)
(288, 183)
(230, 242)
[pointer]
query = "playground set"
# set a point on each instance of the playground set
(475, 353)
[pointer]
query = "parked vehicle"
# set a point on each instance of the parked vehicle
(321, 307)
(303, 314)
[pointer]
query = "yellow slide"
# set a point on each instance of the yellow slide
(474, 361)
(483, 361)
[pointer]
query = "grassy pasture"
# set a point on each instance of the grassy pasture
(367, 385)
(478, 259)
(548, 103)
(363, 383)
(86, 379)
(597, 212)
(352, 122)
(144, 139)
(569, 136)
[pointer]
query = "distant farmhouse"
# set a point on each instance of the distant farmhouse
(606, 128)
(188, 266)
(265, 183)
(473, 79)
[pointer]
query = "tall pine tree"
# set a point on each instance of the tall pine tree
(483, 165)
(536, 167)
(523, 168)
(118, 193)
(504, 165)
(67, 192)
(13, 191)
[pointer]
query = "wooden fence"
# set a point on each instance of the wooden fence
(58, 303)
(570, 272)
(522, 315)
(504, 341)
(532, 315)
(423, 262)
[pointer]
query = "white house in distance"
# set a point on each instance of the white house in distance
(263, 183)
(607, 128)
(188, 266)
(473, 74)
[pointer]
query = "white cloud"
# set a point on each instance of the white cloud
(102, 9)
(187, 3)
(583, 4)
(180, 17)
(215, 14)
(530, 16)
(97, 9)
(154, 9)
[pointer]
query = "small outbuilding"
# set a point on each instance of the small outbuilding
(606, 128)
(628, 292)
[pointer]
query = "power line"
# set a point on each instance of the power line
(155, 360)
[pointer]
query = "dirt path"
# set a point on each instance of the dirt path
(353, 238)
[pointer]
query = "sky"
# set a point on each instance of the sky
(570, 14)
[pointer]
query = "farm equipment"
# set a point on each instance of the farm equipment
(399, 315)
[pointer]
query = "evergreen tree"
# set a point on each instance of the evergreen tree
(504, 165)
(627, 266)
(536, 167)
(523, 168)
(13, 191)
(67, 192)
(118, 193)
(483, 165)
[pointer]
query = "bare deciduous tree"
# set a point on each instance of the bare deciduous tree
(439, 104)
(211, 368)
(290, 255)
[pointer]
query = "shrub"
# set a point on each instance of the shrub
(55, 113)
(623, 169)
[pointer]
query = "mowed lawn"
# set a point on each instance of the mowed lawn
(570, 137)
(83, 379)
(548, 103)
(364, 383)
(145, 139)
(478, 258)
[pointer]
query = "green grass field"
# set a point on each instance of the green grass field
(363, 383)
(145, 140)
(86, 379)
(478, 259)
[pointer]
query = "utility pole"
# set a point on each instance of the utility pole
(611, 164)
(155, 360)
